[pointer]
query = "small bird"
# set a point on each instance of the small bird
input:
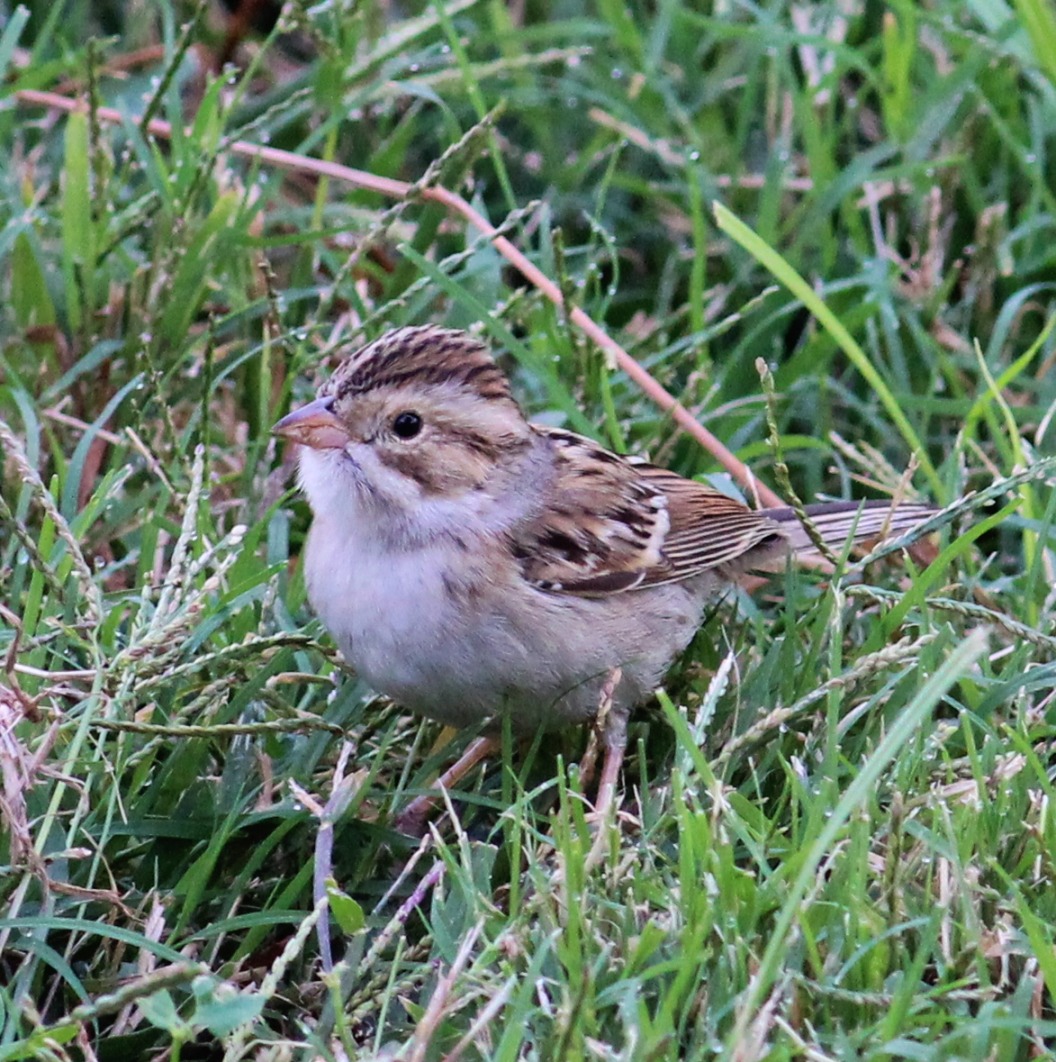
(472, 565)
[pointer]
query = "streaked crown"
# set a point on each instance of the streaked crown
(426, 355)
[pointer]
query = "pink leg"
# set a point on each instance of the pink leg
(612, 726)
(413, 818)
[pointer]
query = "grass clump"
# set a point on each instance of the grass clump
(835, 838)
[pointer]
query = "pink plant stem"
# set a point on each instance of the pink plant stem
(392, 189)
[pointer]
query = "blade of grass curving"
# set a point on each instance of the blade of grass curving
(729, 223)
(902, 729)
(94, 928)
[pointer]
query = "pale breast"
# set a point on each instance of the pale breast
(387, 614)
(447, 637)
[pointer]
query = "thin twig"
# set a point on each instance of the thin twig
(393, 189)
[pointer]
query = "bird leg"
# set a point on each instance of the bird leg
(610, 731)
(413, 817)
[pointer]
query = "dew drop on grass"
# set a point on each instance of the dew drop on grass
(694, 155)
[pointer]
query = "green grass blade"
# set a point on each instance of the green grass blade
(954, 668)
(783, 271)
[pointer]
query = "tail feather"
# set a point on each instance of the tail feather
(838, 521)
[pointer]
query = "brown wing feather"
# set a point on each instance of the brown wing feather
(708, 529)
(616, 523)
(604, 528)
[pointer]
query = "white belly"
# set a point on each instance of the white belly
(387, 617)
(419, 634)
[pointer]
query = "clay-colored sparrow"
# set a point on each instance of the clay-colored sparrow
(470, 564)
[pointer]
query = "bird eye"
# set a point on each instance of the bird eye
(407, 424)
